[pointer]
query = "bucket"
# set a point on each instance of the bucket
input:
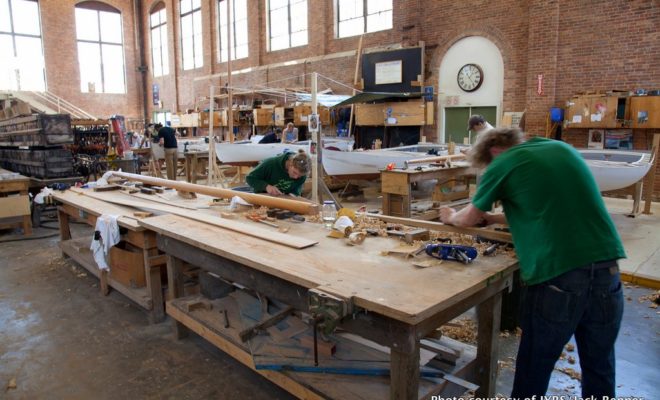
(556, 114)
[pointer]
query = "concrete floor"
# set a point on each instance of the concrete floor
(59, 338)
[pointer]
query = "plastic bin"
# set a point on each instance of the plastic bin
(556, 114)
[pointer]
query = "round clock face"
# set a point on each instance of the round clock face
(470, 77)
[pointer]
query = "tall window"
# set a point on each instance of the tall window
(287, 23)
(100, 48)
(159, 55)
(355, 17)
(21, 53)
(239, 29)
(191, 33)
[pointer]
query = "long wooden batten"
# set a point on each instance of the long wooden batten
(300, 207)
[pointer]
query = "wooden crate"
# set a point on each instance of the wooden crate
(300, 114)
(262, 116)
(645, 111)
(405, 113)
(597, 111)
(219, 118)
(369, 114)
(127, 265)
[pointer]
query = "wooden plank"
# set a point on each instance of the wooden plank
(439, 226)
(280, 379)
(79, 202)
(14, 206)
(299, 206)
(244, 228)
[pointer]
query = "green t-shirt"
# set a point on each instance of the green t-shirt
(551, 201)
(272, 171)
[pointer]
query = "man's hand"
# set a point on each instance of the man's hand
(446, 214)
(273, 191)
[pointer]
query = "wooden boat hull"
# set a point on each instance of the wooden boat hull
(616, 169)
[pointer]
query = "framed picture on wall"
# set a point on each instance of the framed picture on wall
(596, 139)
(619, 139)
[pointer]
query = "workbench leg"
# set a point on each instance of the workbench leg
(175, 290)
(27, 225)
(404, 373)
(488, 318)
(103, 282)
(65, 230)
(154, 286)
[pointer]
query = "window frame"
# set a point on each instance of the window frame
(13, 34)
(192, 18)
(99, 8)
(164, 55)
(290, 31)
(222, 32)
(364, 17)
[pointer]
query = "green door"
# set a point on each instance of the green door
(456, 122)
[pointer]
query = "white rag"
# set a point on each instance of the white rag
(107, 226)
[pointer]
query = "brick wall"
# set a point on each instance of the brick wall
(576, 46)
(58, 23)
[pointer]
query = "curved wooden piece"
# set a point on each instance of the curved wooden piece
(297, 206)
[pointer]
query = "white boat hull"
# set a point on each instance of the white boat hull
(249, 152)
(371, 162)
(616, 169)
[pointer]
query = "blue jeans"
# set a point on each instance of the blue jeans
(587, 302)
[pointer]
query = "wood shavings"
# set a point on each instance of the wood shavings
(653, 298)
(569, 347)
(570, 372)
(427, 263)
(464, 330)
(12, 384)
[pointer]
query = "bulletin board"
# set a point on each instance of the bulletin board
(392, 71)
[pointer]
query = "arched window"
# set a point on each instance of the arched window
(100, 48)
(159, 54)
(191, 33)
(21, 50)
(239, 26)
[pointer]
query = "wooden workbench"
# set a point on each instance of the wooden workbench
(14, 201)
(396, 185)
(395, 304)
(80, 207)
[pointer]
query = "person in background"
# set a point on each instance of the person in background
(134, 139)
(147, 138)
(478, 124)
(283, 174)
(272, 137)
(290, 134)
(568, 248)
(166, 137)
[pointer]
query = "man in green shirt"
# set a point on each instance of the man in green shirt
(568, 249)
(283, 174)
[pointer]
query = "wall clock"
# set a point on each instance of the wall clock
(470, 77)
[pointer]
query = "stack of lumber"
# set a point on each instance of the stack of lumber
(37, 130)
(33, 145)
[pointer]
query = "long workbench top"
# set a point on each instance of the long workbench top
(387, 284)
